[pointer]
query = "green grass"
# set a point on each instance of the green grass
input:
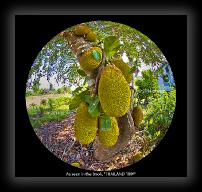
(42, 114)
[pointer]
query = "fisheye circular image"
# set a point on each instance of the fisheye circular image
(100, 96)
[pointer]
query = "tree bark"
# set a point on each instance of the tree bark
(126, 123)
(126, 130)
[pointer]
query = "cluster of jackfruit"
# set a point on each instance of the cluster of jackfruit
(124, 67)
(85, 126)
(91, 59)
(84, 30)
(109, 136)
(114, 92)
(137, 115)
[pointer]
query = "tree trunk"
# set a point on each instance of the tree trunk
(126, 129)
(126, 123)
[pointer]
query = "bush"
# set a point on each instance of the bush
(43, 102)
(52, 104)
(159, 114)
(62, 101)
(29, 93)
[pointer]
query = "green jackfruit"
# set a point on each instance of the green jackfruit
(91, 36)
(137, 115)
(110, 136)
(91, 59)
(81, 30)
(114, 92)
(85, 126)
(124, 67)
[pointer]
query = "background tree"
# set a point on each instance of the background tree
(147, 87)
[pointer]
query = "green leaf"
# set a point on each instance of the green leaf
(87, 98)
(105, 123)
(87, 78)
(93, 105)
(77, 99)
(81, 72)
(133, 69)
(74, 103)
(158, 133)
(111, 46)
(77, 90)
(151, 121)
(83, 93)
(96, 55)
(94, 109)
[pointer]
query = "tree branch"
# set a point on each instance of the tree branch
(99, 70)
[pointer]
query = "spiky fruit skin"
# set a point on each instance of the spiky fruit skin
(91, 36)
(137, 115)
(119, 63)
(114, 92)
(81, 30)
(85, 126)
(88, 62)
(109, 137)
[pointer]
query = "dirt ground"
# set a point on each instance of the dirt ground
(59, 138)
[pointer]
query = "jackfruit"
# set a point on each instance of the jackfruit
(85, 126)
(110, 136)
(138, 156)
(81, 30)
(91, 59)
(124, 67)
(114, 92)
(137, 115)
(75, 164)
(91, 36)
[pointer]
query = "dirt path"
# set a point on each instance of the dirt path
(59, 138)
(37, 99)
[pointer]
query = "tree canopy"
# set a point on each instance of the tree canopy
(57, 60)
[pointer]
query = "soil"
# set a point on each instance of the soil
(58, 137)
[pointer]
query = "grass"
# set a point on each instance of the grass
(42, 114)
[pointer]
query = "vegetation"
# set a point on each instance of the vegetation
(51, 110)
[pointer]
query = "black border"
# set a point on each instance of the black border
(188, 182)
(166, 159)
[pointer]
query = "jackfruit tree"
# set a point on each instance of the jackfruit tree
(89, 55)
(104, 115)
